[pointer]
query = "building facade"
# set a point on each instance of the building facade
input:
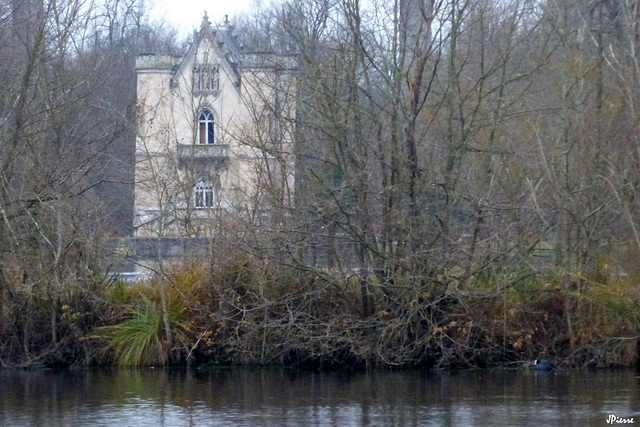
(212, 142)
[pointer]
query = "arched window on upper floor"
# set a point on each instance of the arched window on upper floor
(206, 124)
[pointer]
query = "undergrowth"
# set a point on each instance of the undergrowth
(243, 309)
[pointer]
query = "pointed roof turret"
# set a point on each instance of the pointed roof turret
(205, 21)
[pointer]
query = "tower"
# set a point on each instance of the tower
(199, 145)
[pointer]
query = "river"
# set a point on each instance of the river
(257, 397)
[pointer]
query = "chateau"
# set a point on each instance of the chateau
(210, 143)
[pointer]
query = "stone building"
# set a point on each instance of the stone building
(211, 144)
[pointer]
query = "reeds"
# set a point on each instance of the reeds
(138, 340)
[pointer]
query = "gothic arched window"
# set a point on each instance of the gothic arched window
(206, 78)
(203, 195)
(206, 133)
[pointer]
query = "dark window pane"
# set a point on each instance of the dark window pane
(209, 197)
(203, 133)
(210, 135)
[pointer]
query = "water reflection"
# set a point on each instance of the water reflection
(155, 397)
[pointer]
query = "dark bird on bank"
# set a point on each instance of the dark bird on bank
(542, 365)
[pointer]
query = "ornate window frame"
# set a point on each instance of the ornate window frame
(206, 128)
(204, 195)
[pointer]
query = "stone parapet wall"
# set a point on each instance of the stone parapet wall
(152, 61)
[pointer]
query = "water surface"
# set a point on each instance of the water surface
(244, 397)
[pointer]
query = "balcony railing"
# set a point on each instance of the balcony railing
(203, 151)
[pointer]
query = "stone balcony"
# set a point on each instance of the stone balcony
(209, 157)
(203, 151)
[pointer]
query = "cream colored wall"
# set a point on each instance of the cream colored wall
(260, 85)
(169, 111)
(153, 83)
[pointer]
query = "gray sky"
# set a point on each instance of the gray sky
(186, 15)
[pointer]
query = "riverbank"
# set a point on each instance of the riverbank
(247, 311)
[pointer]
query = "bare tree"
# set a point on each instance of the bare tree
(66, 122)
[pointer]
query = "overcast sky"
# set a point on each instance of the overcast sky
(186, 15)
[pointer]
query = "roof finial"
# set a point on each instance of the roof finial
(205, 20)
